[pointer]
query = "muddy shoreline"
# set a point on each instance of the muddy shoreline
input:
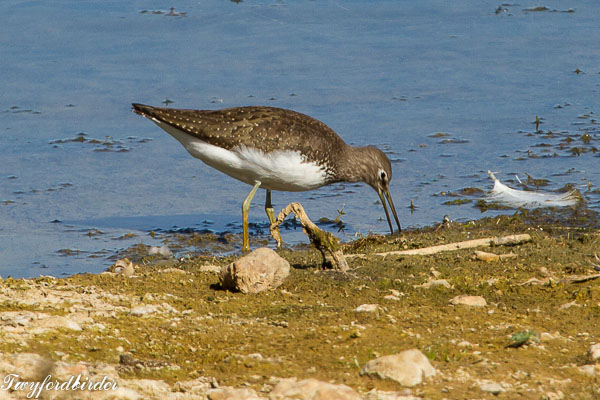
(170, 331)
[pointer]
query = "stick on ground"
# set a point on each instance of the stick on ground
(491, 241)
(325, 242)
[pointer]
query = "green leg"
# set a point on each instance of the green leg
(245, 210)
(271, 215)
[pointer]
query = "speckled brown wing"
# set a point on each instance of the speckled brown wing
(265, 128)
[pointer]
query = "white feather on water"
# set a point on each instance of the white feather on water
(504, 195)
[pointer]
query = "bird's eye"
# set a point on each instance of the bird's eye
(382, 175)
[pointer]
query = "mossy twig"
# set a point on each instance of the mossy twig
(325, 242)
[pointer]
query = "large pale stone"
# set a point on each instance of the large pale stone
(29, 366)
(311, 389)
(260, 270)
(56, 322)
(408, 367)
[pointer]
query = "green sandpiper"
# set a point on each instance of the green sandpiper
(275, 149)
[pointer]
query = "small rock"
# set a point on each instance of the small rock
(546, 336)
(139, 311)
(260, 270)
(311, 389)
(464, 343)
(367, 308)
(167, 308)
(408, 367)
(17, 318)
(434, 282)
(491, 387)
(558, 395)
(466, 300)
(148, 297)
(590, 370)
(229, 393)
(198, 386)
(595, 351)
(123, 267)
(255, 356)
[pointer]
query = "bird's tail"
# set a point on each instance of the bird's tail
(143, 110)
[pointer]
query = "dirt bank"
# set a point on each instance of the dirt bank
(172, 324)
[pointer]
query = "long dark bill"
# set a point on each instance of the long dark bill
(388, 196)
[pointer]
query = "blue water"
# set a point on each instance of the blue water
(78, 170)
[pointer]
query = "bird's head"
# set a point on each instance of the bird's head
(377, 173)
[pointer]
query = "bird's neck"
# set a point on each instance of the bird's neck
(351, 165)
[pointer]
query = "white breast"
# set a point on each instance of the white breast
(277, 170)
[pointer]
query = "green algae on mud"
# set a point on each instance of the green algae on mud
(309, 327)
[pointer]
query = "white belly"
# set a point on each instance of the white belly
(278, 170)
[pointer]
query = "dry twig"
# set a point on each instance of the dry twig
(467, 244)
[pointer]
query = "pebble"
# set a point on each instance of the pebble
(589, 369)
(311, 389)
(434, 282)
(198, 386)
(407, 368)
(260, 270)
(139, 311)
(491, 387)
(367, 308)
(558, 395)
(466, 300)
(546, 336)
